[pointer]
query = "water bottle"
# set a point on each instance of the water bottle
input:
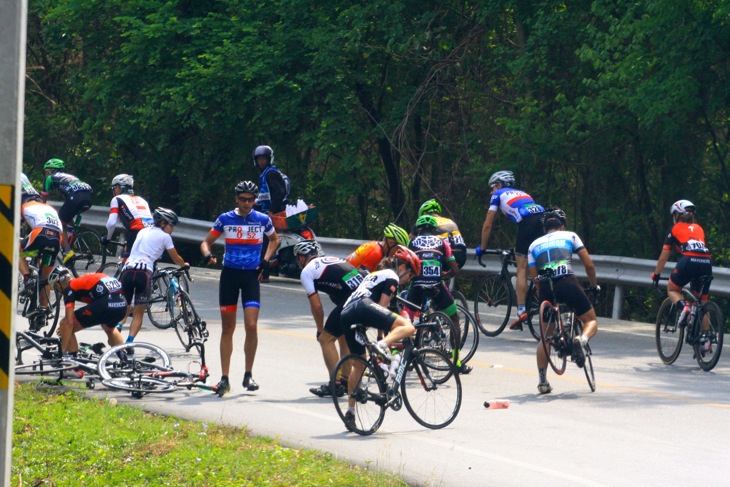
(692, 312)
(496, 404)
(394, 363)
(384, 368)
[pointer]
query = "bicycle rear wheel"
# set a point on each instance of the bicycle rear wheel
(133, 358)
(469, 334)
(89, 254)
(712, 316)
(460, 298)
(140, 385)
(552, 337)
(46, 367)
(588, 366)
(669, 336)
(111, 269)
(188, 323)
(492, 304)
(431, 388)
(437, 331)
(366, 389)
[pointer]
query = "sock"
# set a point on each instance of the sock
(224, 377)
(247, 374)
(521, 308)
(543, 375)
(130, 339)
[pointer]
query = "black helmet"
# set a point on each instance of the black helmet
(247, 187)
(263, 150)
(164, 214)
(553, 218)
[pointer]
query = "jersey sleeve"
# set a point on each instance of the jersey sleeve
(308, 281)
(167, 242)
(48, 184)
(269, 226)
(217, 229)
(577, 243)
(494, 201)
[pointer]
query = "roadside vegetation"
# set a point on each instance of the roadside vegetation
(62, 437)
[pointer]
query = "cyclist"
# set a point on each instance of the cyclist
(244, 229)
(368, 304)
(446, 229)
(105, 306)
(368, 255)
(437, 266)
(274, 193)
(136, 275)
(689, 239)
(45, 233)
(520, 208)
(76, 193)
(336, 278)
(134, 211)
(554, 251)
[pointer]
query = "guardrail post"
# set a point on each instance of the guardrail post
(618, 300)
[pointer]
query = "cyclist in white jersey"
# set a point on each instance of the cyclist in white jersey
(133, 210)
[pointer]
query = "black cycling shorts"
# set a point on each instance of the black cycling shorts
(688, 270)
(370, 314)
(41, 238)
(440, 295)
(459, 253)
(75, 204)
(529, 229)
(568, 291)
(234, 281)
(136, 285)
(107, 310)
(333, 325)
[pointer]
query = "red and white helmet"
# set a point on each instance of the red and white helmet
(404, 255)
(682, 207)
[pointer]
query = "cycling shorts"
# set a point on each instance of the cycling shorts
(440, 295)
(136, 285)
(107, 310)
(370, 314)
(43, 238)
(75, 204)
(131, 237)
(689, 270)
(459, 253)
(333, 325)
(232, 282)
(568, 291)
(529, 229)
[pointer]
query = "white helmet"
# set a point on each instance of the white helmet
(682, 207)
(507, 178)
(58, 274)
(307, 247)
(124, 181)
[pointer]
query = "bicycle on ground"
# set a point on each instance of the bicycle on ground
(170, 288)
(703, 330)
(495, 297)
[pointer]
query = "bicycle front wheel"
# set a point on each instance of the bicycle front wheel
(158, 307)
(187, 324)
(431, 388)
(140, 385)
(469, 334)
(89, 254)
(366, 394)
(669, 336)
(438, 331)
(46, 367)
(552, 338)
(492, 304)
(588, 366)
(709, 348)
(133, 358)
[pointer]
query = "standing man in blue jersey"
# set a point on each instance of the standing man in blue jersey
(244, 230)
(275, 188)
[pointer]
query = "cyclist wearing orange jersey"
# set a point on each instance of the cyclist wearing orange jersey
(368, 255)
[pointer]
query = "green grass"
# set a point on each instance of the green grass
(62, 437)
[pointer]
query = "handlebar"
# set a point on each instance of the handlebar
(504, 253)
(177, 272)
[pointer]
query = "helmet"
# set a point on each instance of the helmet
(682, 207)
(27, 192)
(426, 221)
(163, 214)
(54, 164)
(58, 274)
(406, 256)
(430, 206)
(505, 177)
(396, 233)
(553, 218)
(124, 181)
(247, 187)
(263, 150)
(307, 247)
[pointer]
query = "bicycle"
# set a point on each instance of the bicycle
(89, 254)
(496, 295)
(558, 328)
(166, 297)
(426, 381)
(31, 291)
(705, 326)
(114, 269)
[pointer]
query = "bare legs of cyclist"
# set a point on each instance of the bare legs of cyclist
(228, 323)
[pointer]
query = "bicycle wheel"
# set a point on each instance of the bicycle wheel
(469, 334)
(492, 304)
(111, 269)
(432, 397)
(144, 358)
(437, 331)
(552, 338)
(46, 367)
(89, 254)
(533, 310)
(711, 316)
(140, 385)
(366, 389)
(187, 325)
(588, 366)
(669, 336)
(460, 299)
(158, 307)
(48, 320)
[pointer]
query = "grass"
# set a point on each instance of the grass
(62, 437)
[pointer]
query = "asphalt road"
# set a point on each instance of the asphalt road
(646, 424)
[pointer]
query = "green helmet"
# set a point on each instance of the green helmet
(426, 221)
(54, 164)
(430, 206)
(397, 233)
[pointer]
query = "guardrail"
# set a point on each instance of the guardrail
(618, 271)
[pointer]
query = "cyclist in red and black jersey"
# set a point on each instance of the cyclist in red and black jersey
(131, 209)
(688, 238)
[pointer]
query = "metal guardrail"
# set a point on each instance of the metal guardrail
(618, 271)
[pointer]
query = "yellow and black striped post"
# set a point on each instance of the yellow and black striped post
(7, 241)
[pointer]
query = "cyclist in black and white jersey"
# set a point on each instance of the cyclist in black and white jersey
(336, 278)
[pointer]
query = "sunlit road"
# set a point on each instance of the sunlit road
(647, 423)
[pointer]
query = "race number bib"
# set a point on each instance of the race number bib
(431, 268)
(353, 279)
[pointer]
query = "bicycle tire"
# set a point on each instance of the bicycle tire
(588, 366)
(533, 309)
(469, 334)
(460, 298)
(708, 359)
(147, 358)
(42, 321)
(669, 336)
(437, 330)
(140, 385)
(552, 337)
(158, 306)
(89, 253)
(187, 325)
(492, 304)
(111, 269)
(46, 367)
(432, 397)
(368, 391)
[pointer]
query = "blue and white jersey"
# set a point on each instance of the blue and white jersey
(244, 237)
(515, 204)
(554, 250)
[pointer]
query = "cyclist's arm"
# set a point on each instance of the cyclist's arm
(111, 223)
(176, 257)
(662, 261)
(315, 305)
(487, 228)
(207, 244)
(453, 269)
(588, 264)
(273, 245)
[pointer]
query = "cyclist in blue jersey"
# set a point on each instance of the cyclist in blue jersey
(519, 208)
(554, 251)
(244, 229)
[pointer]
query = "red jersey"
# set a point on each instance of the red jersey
(688, 239)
